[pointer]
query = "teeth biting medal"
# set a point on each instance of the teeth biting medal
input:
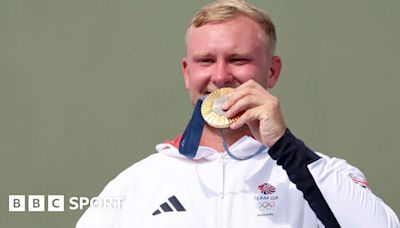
(211, 109)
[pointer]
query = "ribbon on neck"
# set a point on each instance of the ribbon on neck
(190, 140)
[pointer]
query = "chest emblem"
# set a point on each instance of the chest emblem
(266, 200)
(266, 189)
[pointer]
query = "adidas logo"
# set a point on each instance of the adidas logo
(166, 207)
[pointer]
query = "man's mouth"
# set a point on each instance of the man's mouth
(205, 93)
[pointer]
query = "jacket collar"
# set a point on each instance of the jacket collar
(242, 147)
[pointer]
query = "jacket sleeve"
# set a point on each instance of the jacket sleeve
(335, 190)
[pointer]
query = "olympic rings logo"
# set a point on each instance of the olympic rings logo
(266, 205)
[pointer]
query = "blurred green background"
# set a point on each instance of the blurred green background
(88, 87)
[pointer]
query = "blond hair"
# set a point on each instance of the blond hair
(224, 10)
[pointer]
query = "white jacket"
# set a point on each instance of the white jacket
(213, 190)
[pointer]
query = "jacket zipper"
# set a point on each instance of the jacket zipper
(221, 189)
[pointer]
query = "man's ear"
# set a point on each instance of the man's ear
(185, 73)
(274, 71)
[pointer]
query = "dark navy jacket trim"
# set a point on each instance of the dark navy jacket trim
(294, 156)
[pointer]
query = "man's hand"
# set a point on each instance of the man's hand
(260, 111)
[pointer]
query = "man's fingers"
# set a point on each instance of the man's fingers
(243, 104)
(248, 116)
(248, 88)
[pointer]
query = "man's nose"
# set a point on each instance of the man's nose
(222, 75)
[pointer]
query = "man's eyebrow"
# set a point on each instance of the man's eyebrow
(201, 55)
(241, 55)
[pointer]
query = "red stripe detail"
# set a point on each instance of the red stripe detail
(175, 142)
(361, 182)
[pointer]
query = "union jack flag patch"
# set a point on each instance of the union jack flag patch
(266, 189)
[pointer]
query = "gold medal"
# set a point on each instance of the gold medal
(211, 109)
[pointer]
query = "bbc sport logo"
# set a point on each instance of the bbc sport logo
(38, 203)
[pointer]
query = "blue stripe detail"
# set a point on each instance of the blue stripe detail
(294, 156)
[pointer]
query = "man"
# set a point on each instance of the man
(279, 183)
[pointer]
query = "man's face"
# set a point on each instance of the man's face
(227, 54)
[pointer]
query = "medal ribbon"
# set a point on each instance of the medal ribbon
(190, 140)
